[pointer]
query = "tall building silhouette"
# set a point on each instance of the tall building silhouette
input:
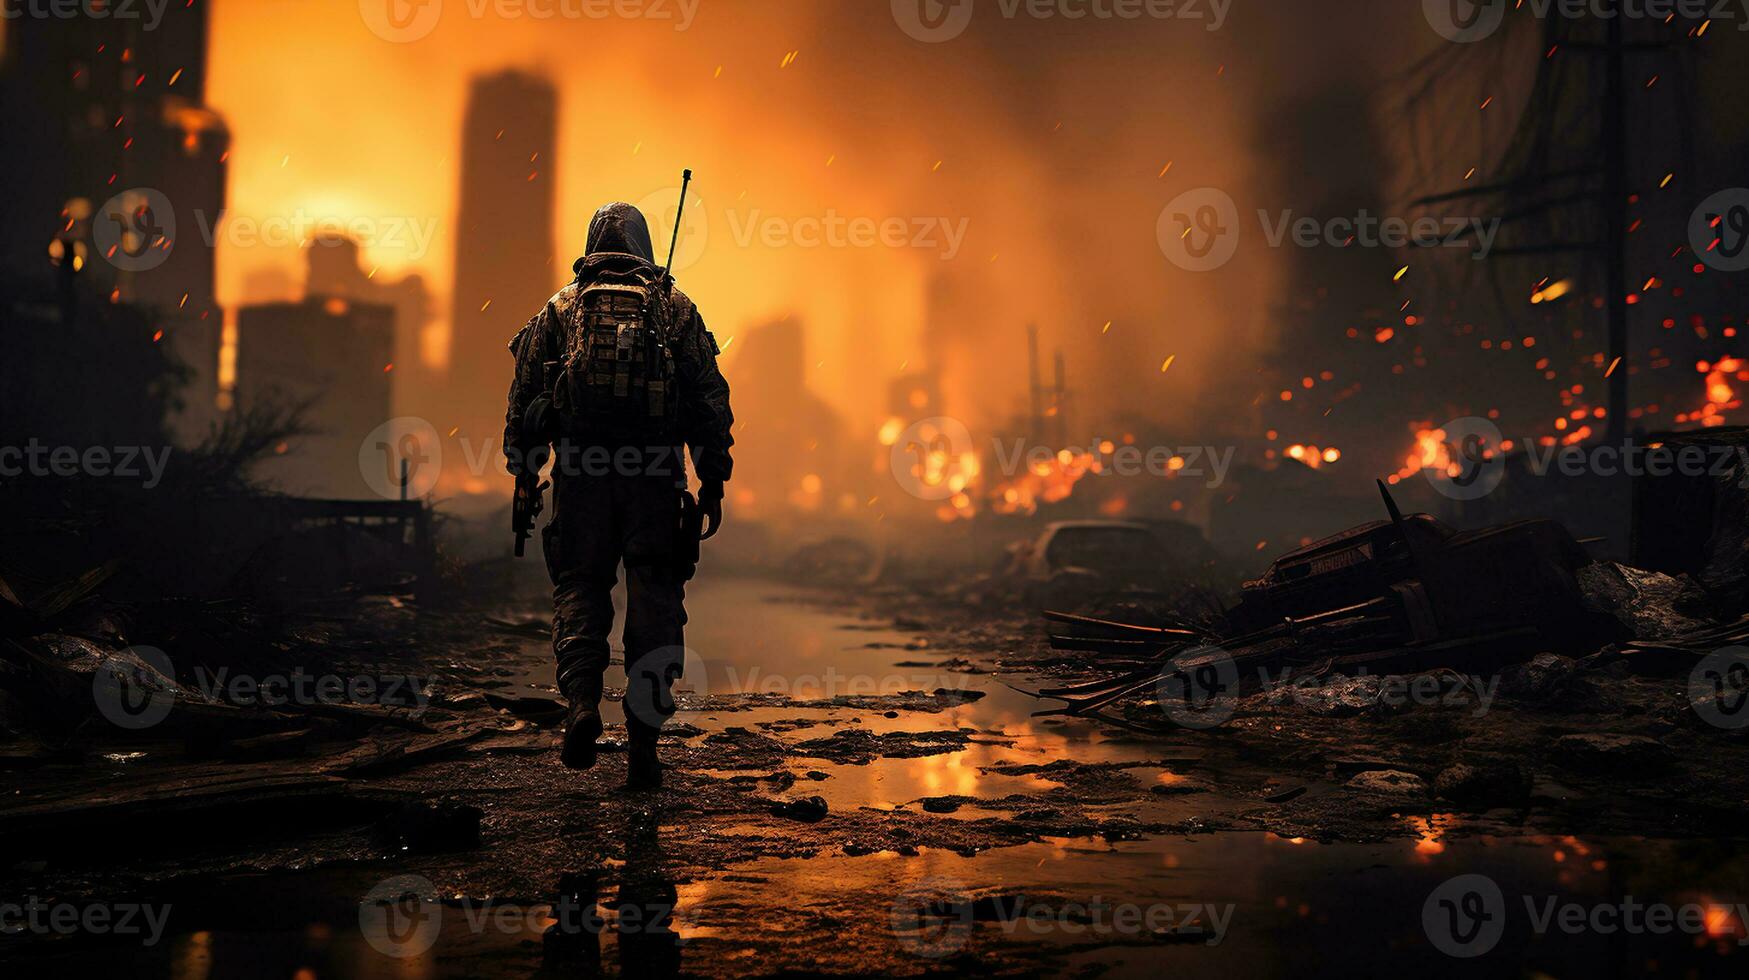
(504, 256)
(103, 109)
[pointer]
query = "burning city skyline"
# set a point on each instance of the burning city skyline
(1031, 197)
(919, 236)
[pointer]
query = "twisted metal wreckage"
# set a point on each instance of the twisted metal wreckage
(1405, 595)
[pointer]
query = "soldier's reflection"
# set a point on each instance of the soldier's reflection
(643, 906)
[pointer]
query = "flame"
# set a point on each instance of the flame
(1721, 397)
(1046, 482)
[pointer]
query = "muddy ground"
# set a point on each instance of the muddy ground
(856, 789)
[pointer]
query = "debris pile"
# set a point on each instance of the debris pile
(1405, 596)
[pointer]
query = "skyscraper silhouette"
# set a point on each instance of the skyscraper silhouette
(505, 266)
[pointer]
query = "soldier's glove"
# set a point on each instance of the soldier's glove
(710, 501)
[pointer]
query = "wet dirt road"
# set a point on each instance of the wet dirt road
(963, 836)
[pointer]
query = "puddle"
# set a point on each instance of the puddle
(1263, 905)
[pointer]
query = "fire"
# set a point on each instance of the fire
(1313, 456)
(1047, 482)
(1429, 453)
(1721, 397)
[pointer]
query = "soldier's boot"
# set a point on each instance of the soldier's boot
(643, 769)
(583, 721)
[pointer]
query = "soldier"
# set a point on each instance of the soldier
(617, 374)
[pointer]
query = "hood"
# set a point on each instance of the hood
(619, 229)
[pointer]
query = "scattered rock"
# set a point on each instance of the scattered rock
(1349, 765)
(1617, 754)
(1653, 605)
(1542, 677)
(941, 804)
(1482, 784)
(1389, 782)
(1285, 793)
(1336, 696)
(807, 809)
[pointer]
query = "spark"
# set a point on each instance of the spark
(1166, 169)
(1400, 274)
(1612, 366)
(1168, 365)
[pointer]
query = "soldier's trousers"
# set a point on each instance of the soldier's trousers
(600, 522)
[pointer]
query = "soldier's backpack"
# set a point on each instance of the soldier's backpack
(616, 381)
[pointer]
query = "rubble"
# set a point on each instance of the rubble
(1482, 784)
(1654, 606)
(1389, 782)
(1346, 624)
(808, 809)
(1619, 754)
